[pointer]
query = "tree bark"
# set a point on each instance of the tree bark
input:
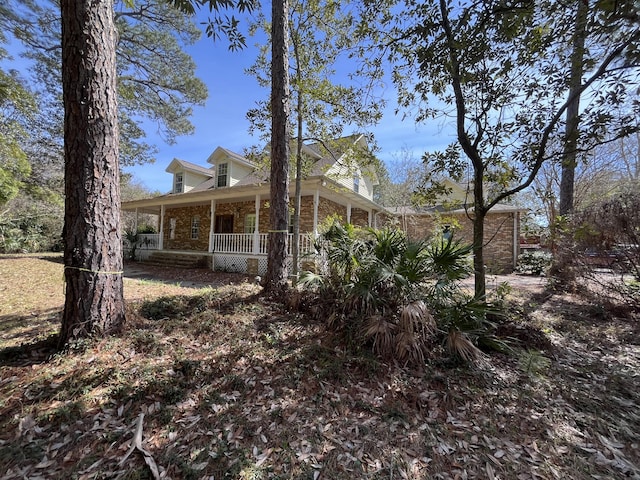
(277, 271)
(479, 214)
(572, 133)
(94, 302)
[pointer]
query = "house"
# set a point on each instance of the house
(453, 213)
(219, 215)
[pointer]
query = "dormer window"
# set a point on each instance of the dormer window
(177, 183)
(356, 183)
(223, 174)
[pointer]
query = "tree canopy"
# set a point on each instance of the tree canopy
(500, 71)
(157, 85)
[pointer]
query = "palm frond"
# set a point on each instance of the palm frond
(459, 344)
(381, 331)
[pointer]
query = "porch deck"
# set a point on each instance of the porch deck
(228, 252)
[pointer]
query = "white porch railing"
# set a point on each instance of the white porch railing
(149, 241)
(246, 243)
(243, 243)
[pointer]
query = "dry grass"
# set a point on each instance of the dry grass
(233, 387)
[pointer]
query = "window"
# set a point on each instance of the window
(195, 227)
(250, 223)
(172, 228)
(177, 183)
(356, 183)
(222, 174)
(291, 217)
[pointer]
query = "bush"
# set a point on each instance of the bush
(534, 263)
(397, 296)
(598, 241)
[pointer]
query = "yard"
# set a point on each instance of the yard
(210, 381)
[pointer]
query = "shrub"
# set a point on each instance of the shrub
(534, 263)
(398, 296)
(598, 241)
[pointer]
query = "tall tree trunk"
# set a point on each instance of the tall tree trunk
(479, 214)
(573, 110)
(277, 272)
(295, 248)
(94, 302)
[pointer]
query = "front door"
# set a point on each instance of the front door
(224, 224)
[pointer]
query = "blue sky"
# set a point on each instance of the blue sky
(222, 121)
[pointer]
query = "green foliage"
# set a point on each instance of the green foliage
(322, 34)
(31, 226)
(535, 262)
(500, 69)
(398, 296)
(16, 108)
(157, 85)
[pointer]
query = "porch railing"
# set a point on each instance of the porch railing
(149, 241)
(246, 243)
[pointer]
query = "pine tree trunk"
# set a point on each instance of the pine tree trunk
(277, 272)
(573, 111)
(94, 302)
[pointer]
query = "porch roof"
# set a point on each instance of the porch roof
(326, 187)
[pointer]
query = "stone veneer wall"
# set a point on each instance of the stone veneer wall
(183, 240)
(359, 217)
(498, 235)
(240, 210)
(327, 208)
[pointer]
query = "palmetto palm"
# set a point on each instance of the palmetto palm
(397, 294)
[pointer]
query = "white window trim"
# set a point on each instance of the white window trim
(195, 227)
(177, 183)
(225, 174)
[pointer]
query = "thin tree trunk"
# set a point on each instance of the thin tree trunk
(94, 302)
(479, 213)
(480, 277)
(295, 250)
(572, 133)
(277, 272)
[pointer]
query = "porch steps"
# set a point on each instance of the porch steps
(177, 260)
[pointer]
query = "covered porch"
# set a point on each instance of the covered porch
(231, 225)
(229, 252)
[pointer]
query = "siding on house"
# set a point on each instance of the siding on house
(344, 176)
(191, 180)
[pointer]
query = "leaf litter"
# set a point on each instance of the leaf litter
(234, 388)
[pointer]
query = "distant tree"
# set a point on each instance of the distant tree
(275, 282)
(608, 170)
(572, 133)
(501, 70)
(16, 105)
(94, 301)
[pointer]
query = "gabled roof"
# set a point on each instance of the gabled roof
(220, 153)
(178, 165)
